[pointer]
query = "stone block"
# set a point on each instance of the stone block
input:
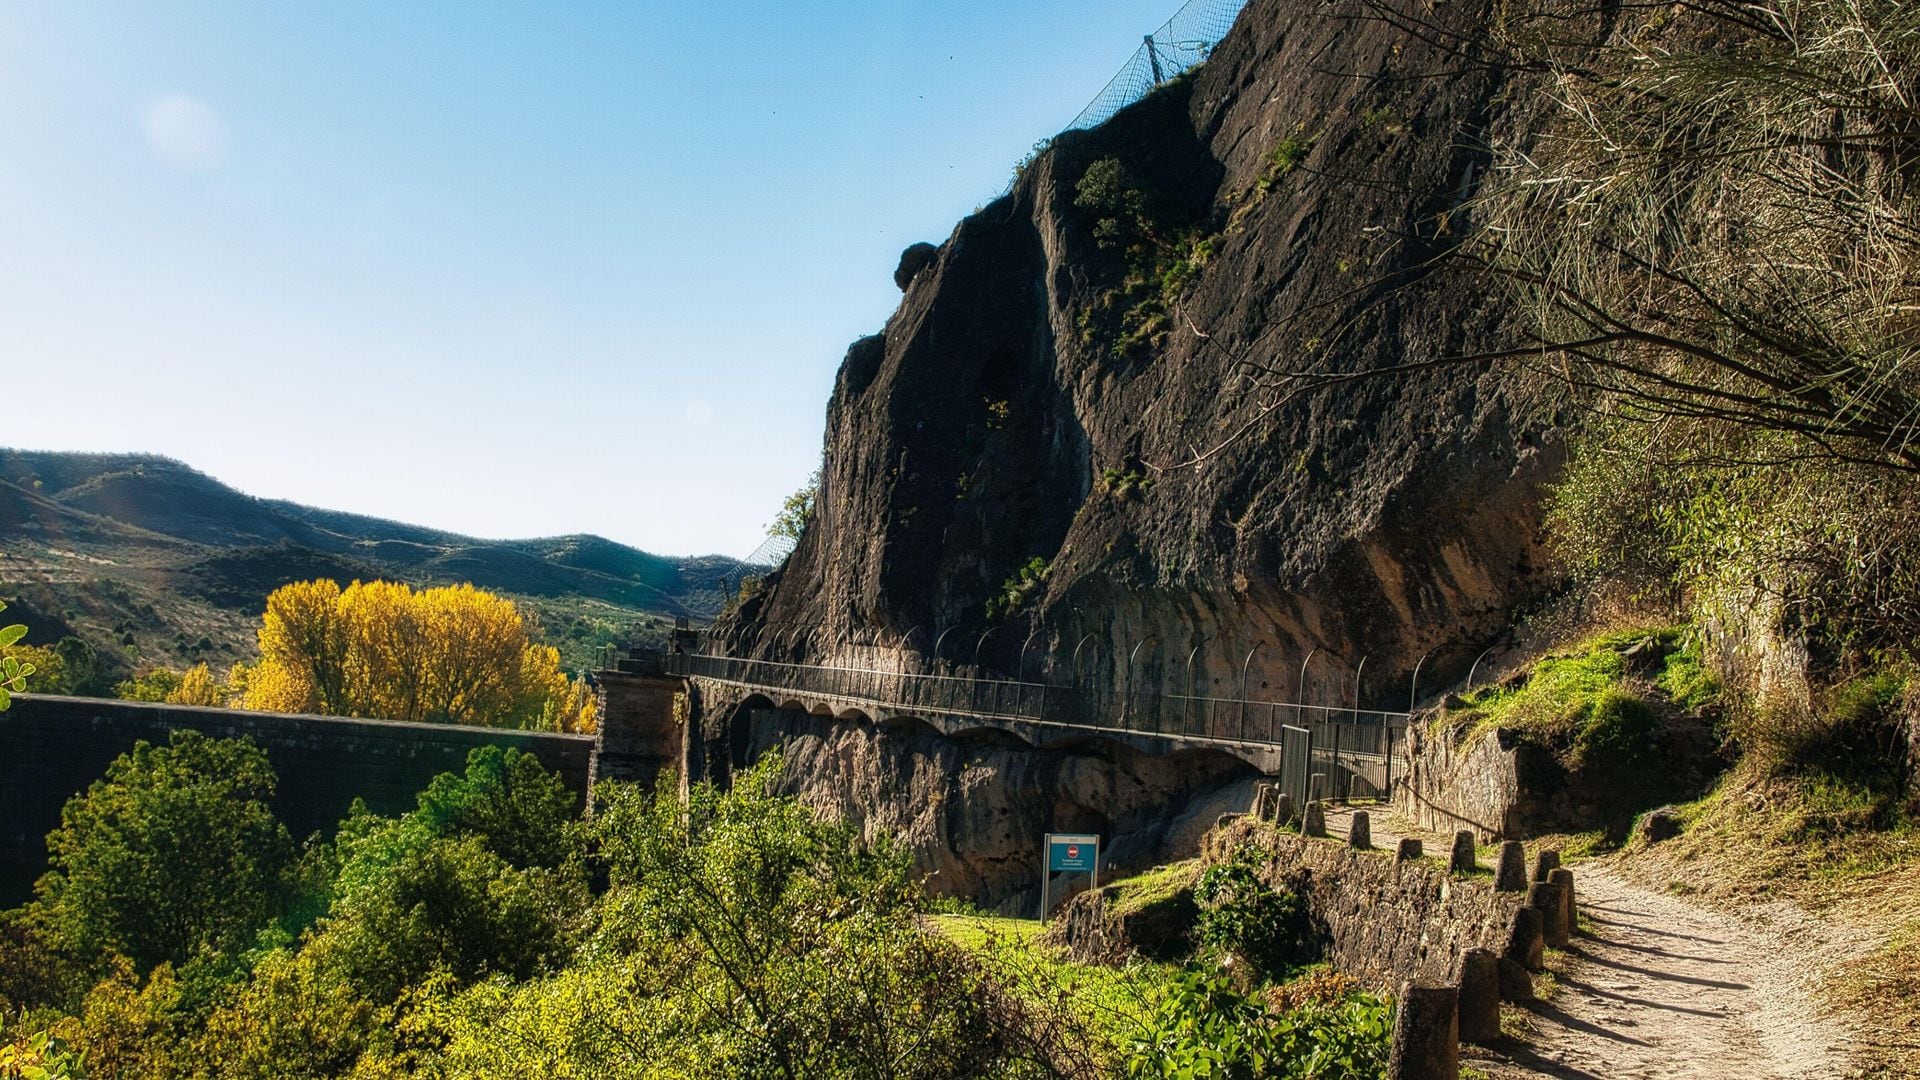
(1527, 939)
(1407, 850)
(1360, 830)
(1550, 901)
(1512, 874)
(1479, 996)
(1658, 825)
(1564, 878)
(1544, 863)
(1426, 1034)
(1465, 859)
(1262, 802)
(1314, 821)
(1516, 982)
(1283, 807)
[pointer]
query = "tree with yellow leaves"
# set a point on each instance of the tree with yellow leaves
(454, 654)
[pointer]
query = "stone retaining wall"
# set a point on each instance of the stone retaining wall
(1388, 921)
(51, 748)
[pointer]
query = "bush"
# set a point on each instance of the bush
(1240, 917)
(173, 854)
(1204, 1028)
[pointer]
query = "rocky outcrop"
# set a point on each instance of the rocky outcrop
(973, 810)
(913, 260)
(1035, 438)
(1502, 784)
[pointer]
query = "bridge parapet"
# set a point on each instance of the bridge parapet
(1352, 749)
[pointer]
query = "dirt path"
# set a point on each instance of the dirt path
(1656, 987)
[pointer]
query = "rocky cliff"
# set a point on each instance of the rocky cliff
(1021, 435)
(1068, 438)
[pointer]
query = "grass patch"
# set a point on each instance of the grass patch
(1134, 894)
(973, 932)
(1766, 834)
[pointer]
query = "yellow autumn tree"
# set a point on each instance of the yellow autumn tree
(198, 687)
(382, 649)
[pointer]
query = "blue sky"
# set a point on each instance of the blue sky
(504, 269)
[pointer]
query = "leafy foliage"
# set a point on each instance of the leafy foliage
(13, 672)
(1243, 919)
(172, 856)
(1205, 1028)
(1158, 260)
(796, 510)
(1021, 587)
(381, 649)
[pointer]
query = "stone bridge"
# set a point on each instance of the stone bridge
(1315, 750)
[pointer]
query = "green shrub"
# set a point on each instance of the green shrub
(1240, 917)
(1205, 1028)
(1019, 588)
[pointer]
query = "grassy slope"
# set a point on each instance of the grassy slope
(1822, 824)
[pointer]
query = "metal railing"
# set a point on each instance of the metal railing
(1349, 750)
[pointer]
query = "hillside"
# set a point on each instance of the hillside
(169, 565)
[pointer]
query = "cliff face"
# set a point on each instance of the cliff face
(1057, 365)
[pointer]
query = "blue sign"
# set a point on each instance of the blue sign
(1070, 853)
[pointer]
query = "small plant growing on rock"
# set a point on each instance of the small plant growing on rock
(1020, 587)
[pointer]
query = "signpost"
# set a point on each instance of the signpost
(1067, 853)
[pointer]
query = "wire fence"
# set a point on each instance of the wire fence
(1179, 46)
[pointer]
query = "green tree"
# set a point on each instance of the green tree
(796, 511)
(173, 855)
(742, 936)
(84, 673)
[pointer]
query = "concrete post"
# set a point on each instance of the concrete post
(1314, 821)
(1479, 997)
(1564, 878)
(1527, 939)
(1408, 849)
(1544, 863)
(1426, 1034)
(1360, 830)
(1262, 794)
(1283, 807)
(1466, 857)
(1512, 875)
(1550, 901)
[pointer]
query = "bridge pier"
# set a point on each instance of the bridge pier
(642, 737)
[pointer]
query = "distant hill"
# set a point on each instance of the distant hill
(167, 564)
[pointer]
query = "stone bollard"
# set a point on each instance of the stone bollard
(1407, 850)
(1426, 1034)
(1314, 821)
(1527, 939)
(1466, 858)
(1544, 863)
(1564, 878)
(1512, 875)
(1516, 983)
(1262, 802)
(1360, 830)
(1550, 901)
(1480, 997)
(1283, 807)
